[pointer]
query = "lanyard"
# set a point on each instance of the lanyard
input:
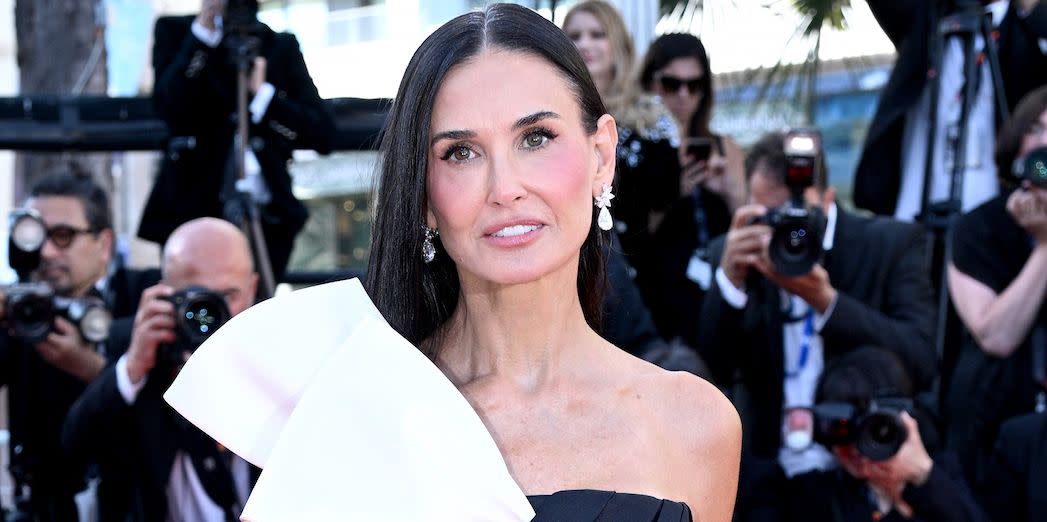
(699, 218)
(805, 345)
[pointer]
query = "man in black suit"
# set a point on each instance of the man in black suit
(778, 332)
(889, 178)
(1014, 489)
(154, 465)
(195, 93)
(45, 377)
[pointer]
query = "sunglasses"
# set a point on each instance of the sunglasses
(63, 235)
(673, 84)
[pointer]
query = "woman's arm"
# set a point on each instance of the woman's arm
(999, 322)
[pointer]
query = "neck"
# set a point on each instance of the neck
(603, 85)
(523, 333)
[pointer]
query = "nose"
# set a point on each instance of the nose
(504, 183)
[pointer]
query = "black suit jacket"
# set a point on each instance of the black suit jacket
(195, 93)
(835, 496)
(880, 269)
(1015, 488)
(40, 395)
(910, 26)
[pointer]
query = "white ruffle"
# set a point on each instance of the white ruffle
(347, 419)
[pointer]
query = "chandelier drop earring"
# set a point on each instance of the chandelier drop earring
(603, 202)
(428, 249)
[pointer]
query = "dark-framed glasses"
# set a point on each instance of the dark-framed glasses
(63, 235)
(673, 83)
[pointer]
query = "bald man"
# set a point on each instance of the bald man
(155, 465)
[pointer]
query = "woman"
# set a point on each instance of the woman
(485, 255)
(710, 188)
(997, 278)
(648, 166)
(676, 68)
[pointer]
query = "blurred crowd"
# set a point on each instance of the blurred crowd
(888, 357)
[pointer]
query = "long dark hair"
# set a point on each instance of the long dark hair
(417, 298)
(669, 47)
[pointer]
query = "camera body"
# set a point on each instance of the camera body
(198, 313)
(1032, 167)
(876, 431)
(31, 308)
(798, 229)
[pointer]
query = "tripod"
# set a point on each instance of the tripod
(967, 22)
(240, 205)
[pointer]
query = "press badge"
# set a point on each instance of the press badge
(699, 270)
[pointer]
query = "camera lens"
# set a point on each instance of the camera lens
(795, 244)
(202, 315)
(880, 435)
(95, 323)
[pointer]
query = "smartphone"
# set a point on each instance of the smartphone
(698, 149)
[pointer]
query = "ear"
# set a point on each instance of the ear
(252, 288)
(605, 150)
(105, 239)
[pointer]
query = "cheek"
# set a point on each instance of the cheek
(564, 176)
(453, 195)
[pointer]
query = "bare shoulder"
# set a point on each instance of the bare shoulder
(707, 418)
(703, 436)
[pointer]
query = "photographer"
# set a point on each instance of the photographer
(1014, 488)
(195, 93)
(885, 473)
(890, 174)
(44, 377)
(869, 287)
(154, 465)
(997, 279)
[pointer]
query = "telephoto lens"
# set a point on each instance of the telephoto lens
(1033, 167)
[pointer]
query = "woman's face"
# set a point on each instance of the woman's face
(1035, 136)
(591, 40)
(512, 173)
(677, 83)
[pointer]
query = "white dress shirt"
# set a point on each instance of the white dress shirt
(979, 174)
(801, 380)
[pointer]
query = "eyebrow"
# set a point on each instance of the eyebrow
(525, 121)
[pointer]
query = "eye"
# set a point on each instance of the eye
(458, 153)
(537, 138)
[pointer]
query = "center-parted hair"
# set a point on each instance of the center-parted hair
(417, 298)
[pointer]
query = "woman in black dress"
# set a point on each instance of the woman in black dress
(997, 279)
(487, 256)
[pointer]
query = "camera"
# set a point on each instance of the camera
(242, 29)
(30, 308)
(198, 313)
(1032, 167)
(798, 229)
(876, 431)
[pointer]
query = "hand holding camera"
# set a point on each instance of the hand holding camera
(1028, 207)
(170, 326)
(746, 244)
(910, 465)
(153, 326)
